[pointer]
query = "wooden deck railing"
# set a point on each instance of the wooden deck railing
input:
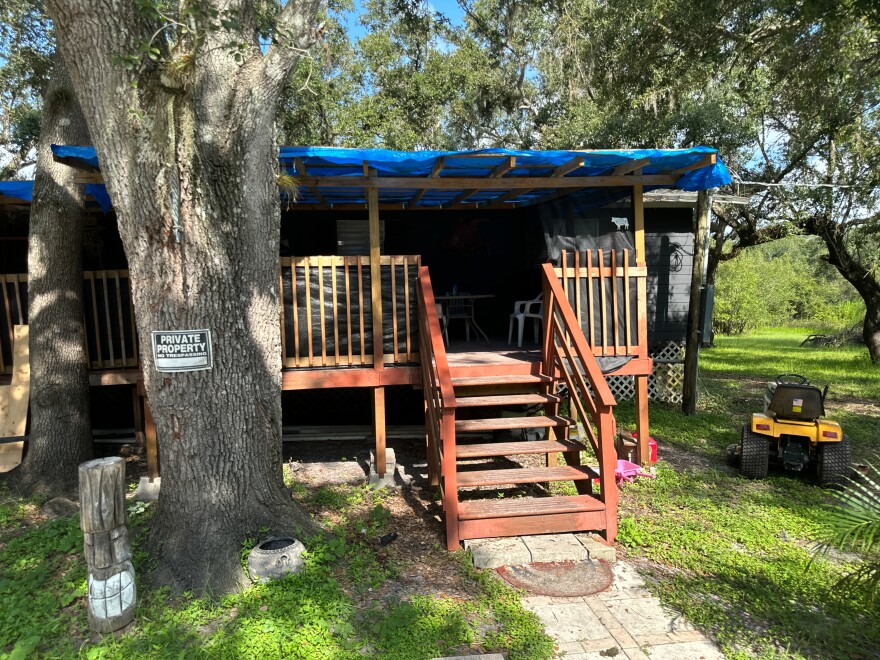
(568, 357)
(608, 294)
(13, 312)
(109, 318)
(329, 321)
(439, 403)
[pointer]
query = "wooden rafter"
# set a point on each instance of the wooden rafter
(439, 164)
(508, 183)
(705, 161)
(630, 166)
(301, 169)
(572, 165)
(499, 171)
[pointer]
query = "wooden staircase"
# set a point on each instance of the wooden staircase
(466, 401)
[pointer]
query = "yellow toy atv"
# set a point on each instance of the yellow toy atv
(791, 432)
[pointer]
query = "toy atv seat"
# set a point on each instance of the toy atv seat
(792, 432)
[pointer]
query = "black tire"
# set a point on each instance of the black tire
(833, 462)
(754, 454)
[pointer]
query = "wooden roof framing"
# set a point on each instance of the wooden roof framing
(339, 179)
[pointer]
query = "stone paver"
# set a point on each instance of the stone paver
(625, 617)
(555, 547)
(492, 553)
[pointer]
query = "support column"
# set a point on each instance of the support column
(378, 396)
(692, 348)
(151, 441)
(643, 453)
(378, 393)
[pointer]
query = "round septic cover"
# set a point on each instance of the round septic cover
(559, 578)
(275, 558)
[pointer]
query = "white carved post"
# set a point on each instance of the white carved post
(112, 596)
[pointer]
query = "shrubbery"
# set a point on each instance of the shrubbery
(780, 283)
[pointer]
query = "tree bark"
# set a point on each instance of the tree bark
(856, 273)
(189, 156)
(61, 434)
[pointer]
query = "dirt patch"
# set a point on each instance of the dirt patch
(414, 533)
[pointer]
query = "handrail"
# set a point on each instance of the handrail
(429, 318)
(439, 406)
(556, 301)
(566, 352)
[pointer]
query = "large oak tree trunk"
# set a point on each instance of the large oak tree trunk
(190, 160)
(60, 435)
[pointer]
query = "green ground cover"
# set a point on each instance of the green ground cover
(735, 555)
(323, 612)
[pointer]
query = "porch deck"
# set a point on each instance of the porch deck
(494, 353)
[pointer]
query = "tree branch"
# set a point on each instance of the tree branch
(295, 33)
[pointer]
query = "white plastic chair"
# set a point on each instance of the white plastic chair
(444, 323)
(527, 309)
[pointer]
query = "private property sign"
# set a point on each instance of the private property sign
(182, 350)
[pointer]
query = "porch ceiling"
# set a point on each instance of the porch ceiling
(336, 178)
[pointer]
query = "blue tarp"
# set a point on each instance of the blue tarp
(339, 162)
(24, 191)
(330, 161)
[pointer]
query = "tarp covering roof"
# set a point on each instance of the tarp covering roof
(323, 170)
(23, 191)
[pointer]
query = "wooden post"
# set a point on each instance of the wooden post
(379, 428)
(112, 594)
(378, 348)
(643, 452)
(692, 348)
(152, 442)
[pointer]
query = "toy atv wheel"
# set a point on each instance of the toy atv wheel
(754, 454)
(833, 464)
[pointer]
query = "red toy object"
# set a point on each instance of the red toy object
(627, 471)
(652, 445)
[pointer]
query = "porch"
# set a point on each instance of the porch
(369, 320)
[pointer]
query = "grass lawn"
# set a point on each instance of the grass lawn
(336, 608)
(734, 555)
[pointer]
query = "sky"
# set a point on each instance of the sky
(448, 8)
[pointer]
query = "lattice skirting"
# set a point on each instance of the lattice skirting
(664, 384)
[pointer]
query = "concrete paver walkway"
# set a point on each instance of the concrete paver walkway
(625, 622)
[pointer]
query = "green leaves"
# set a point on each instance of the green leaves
(855, 526)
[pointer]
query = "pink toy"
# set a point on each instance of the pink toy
(627, 471)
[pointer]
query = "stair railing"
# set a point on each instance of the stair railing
(439, 406)
(568, 358)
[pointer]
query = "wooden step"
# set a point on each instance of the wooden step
(527, 506)
(505, 400)
(489, 449)
(510, 379)
(507, 423)
(524, 476)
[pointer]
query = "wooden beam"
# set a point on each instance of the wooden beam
(439, 164)
(631, 166)
(692, 348)
(488, 183)
(313, 379)
(152, 442)
(375, 277)
(504, 167)
(301, 168)
(378, 400)
(638, 204)
(705, 161)
(575, 163)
